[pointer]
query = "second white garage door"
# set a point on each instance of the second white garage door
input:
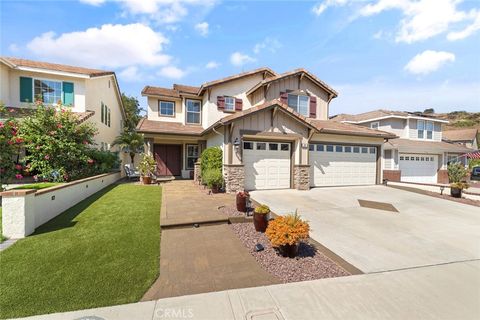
(421, 168)
(334, 165)
(267, 165)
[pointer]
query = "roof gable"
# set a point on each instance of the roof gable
(460, 135)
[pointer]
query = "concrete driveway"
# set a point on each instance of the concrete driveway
(425, 231)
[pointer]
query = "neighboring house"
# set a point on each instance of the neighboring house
(273, 129)
(93, 95)
(466, 137)
(418, 154)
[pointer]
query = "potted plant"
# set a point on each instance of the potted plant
(260, 217)
(146, 167)
(286, 232)
(457, 173)
(241, 201)
(213, 179)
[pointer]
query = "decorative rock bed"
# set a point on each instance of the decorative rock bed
(310, 264)
(230, 211)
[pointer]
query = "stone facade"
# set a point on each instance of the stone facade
(197, 171)
(234, 176)
(392, 175)
(442, 176)
(301, 177)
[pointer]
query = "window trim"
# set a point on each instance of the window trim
(199, 112)
(375, 123)
(225, 104)
(298, 103)
(47, 79)
(160, 109)
(187, 157)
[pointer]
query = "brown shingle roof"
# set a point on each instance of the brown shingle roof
(82, 116)
(295, 73)
(460, 135)
(22, 112)
(151, 126)
(426, 146)
(16, 62)
(186, 89)
(335, 127)
(375, 114)
(159, 91)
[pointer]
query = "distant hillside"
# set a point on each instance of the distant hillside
(458, 119)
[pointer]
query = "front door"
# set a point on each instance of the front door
(168, 158)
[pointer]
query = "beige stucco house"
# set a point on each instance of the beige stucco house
(273, 129)
(419, 154)
(94, 95)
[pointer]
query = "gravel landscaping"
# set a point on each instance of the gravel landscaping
(309, 265)
(230, 211)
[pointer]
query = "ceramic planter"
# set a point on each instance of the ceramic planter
(260, 221)
(241, 201)
(146, 180)
(456, 192)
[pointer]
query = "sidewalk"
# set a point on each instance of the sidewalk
(449, 291)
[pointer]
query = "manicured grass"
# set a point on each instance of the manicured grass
(38, 186)
(103, 251)
(2, 238)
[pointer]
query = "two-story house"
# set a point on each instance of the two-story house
(93, 95)
(273, 129)
(418, 154)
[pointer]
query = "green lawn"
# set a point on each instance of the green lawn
(103, 251)
(38, 186)
(2, 238)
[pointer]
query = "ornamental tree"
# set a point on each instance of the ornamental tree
(10, 143)
(57, 144)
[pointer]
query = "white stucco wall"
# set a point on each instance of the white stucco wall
(22, 214)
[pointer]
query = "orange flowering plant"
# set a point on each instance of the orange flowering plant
(287, 230)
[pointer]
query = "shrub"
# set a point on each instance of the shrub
(211, 158)
(103, 161)
(262, 209)
(147, 165)
(456, 172)
(212, 178)
(290, 229)
(10, 144)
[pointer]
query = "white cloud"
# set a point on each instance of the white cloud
(319, 8)
(429, 61)
(421, 19)
(112, 46)
(239, 59)
(270, 44)
(378, 35)
(13, 48)
(130, 74)
(202, 28)
(93, 2)
(212, 65)
(469, 30)
(172, 72)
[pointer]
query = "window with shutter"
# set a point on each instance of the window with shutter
(103, 112)
(220, 102)
(313, 107)
(26, 89)
(109, 114)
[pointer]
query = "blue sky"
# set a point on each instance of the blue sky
(393, 54)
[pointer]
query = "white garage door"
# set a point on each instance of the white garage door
(334, 165)
(420, 168)
(267, 165)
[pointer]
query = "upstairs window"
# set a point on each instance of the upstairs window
(193, 111)
(374, 125)
(166, 108)
(229, 104)
(425, 129)
(106, 115)
(299, 103)
(48, 91)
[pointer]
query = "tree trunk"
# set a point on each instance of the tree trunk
(132, 156)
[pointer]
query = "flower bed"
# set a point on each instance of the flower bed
(310, 264)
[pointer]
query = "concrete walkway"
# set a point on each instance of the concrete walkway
(449, 291)
(204, 259)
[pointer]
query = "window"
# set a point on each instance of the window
(356, 149)
(106, 114)
(417, 158)
(338, 149)
(373, 150)
(423, 126)
(229, 104)
(166, 108)
(248, 145)
(192, 155)
(299, 103)
(329, 148)
(374, 125)
(261, 146)
(285, 146)
(364, 150)
(401, 158)
(50, 92)
(320, 147)
(420, 128)
(311, 147)
(273, 146)
(407, 158)
(429, 130)
(193, 111)
(348, 149)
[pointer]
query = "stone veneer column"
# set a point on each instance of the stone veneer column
(301, 177)
(234, 175)
(197, 171)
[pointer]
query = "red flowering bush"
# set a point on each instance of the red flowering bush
(9, 147)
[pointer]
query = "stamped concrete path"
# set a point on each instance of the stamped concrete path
(204, 259)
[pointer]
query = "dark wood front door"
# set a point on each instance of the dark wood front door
(168, 158)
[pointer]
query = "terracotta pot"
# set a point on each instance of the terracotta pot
(289, 250)
(241, 201)
(456, 192)
(146, 180)
(260, 221)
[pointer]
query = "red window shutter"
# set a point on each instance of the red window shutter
(238, 104)
(313, 107)
(221, 102)
(284, 97)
